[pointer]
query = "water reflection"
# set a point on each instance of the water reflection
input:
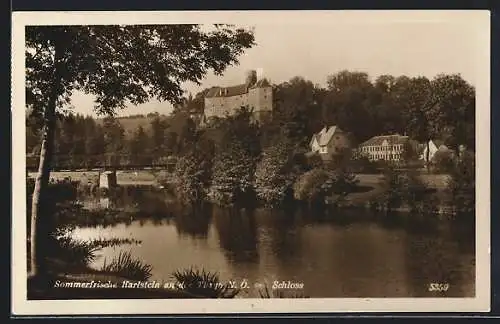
(338, 253)
(237, 231)
(194, 222)
(280, 232)
(439, 259)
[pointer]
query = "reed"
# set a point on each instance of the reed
(203, 283)
(75, 252)
(127, 267)
(103, 243)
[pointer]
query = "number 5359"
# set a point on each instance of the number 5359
(438, 287)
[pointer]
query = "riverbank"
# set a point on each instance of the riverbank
(370, 188)
(370, 185)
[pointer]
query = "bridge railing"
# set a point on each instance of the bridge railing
(106, 161)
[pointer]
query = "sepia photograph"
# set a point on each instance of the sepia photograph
(313, 161)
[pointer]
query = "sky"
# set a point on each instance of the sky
(316, 48)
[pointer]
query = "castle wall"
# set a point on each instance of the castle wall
(260, 99)
(236, 102)
(214, 107)
(264, 99)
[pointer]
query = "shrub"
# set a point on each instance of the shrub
(313, 161)
(342, 182)
(406, 188)
(191, 176)
(416, 195)
(393, 196)
(274, 174)
(462, 185)
(73, 252)
(316, 185)
(443, 161)
(310, 187)
(127, 267)
(202, 283)
(232, 175)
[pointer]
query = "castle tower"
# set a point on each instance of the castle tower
(251, 78)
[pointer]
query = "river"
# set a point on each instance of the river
(345, 253)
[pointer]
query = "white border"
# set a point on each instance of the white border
(480, 20)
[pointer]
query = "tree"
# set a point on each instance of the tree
(462, 185)
(418, 106)
(192, 104)
(114, 140)
(118, 65)
(387, 114)
(32, 134)
(95, 145)
(310, 187)
(348, 103)
(158, 128)
(240, 129)
(237, 149)
(232, 175)
(191, 177)
(297, 109)
(454, 110)
(274, 175)
(187, 136)
(170, 141)
(139, 146)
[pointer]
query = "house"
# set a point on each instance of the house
(330, 141)
(391, 148)
(434, 146)
(256, 95)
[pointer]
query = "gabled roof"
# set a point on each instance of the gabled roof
(391, 140)
(227, 91)
(325, 135)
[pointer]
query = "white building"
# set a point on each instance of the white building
(385, 147)
(330, 141)
(256, 95)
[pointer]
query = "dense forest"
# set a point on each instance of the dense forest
(439, 108)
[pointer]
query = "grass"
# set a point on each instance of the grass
(203, 283)
(374, 182)
(103, 243)
(127, 267)
(75, 252)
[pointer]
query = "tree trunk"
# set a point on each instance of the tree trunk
(427, 155)
(38, 233)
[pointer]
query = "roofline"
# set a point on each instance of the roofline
(379, 136)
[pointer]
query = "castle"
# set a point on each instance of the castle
(257, 95)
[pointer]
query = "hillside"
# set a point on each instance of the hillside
(131, 123)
